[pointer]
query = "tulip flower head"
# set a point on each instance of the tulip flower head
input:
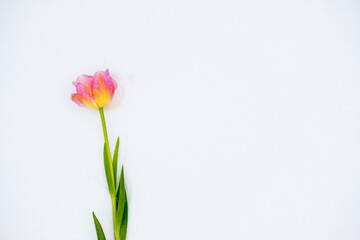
(94, 91)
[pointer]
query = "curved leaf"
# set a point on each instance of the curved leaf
(109, 171)
(124, 223)
(120, 199)
(115, 160)
(99, 231)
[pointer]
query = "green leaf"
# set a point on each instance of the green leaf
(115, 159)
(109, 171)
(124, 223)
(99, 231)
(120, 199)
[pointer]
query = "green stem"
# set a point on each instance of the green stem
(113, 198)
(101, 110)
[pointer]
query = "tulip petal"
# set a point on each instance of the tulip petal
(77, 99)
(83, 100)
(100, 90)
(83, 84)
(110, 83)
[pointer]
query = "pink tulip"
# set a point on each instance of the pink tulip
(94, 91)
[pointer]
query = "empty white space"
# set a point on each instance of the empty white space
(240, 120)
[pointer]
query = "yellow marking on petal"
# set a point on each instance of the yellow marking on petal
(102, 95)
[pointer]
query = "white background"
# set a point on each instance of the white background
(239, 119)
